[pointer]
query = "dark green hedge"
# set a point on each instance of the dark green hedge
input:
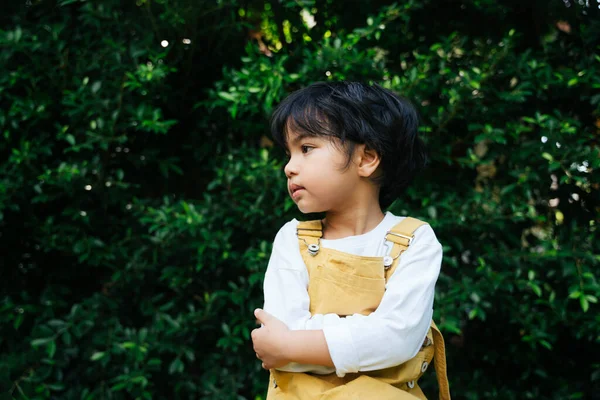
(139, 191)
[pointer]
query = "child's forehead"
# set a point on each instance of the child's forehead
(294, 136)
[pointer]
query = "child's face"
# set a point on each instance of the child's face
(317, 178)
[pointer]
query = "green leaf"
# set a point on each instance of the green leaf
(96, 86)
(176, 366)
(63, 3)
(227, 96)
(56, 323)
(473, 313)
(536, 289)
(575, 294)
(119, 386)
(97, 355)
(51, 349)
(41, 341)
(225, 329)
(546, 344)
(585, 305)
(547, 156)
(19, 319)
(56, 386)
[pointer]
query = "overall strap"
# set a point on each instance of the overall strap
(309, 232)
(401, 235)
(309, 236)
(439, 362)
(403, 232)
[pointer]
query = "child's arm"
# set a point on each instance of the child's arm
(277, 346)
(286, 295)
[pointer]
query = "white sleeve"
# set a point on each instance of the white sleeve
(286, 292)
(394, 332)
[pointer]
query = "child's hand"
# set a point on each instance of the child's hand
(270, 340)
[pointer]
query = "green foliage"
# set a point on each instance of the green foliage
(139, 192)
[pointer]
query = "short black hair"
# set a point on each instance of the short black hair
(357, 113)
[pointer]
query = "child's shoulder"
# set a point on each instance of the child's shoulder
(287, 232)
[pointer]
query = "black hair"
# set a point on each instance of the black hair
(357, 113)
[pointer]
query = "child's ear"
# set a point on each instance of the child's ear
(368, 161)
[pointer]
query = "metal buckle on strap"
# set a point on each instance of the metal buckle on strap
(410, 238)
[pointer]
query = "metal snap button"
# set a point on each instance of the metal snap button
(424, 366)
(411, 384)
(387, 261)
(313, 249)
(274, 384)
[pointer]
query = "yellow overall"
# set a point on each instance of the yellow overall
(347, 284)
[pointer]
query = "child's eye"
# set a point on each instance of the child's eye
(306, 149)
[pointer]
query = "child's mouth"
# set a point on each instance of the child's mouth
(296, 190)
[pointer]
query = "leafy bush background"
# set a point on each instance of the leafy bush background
(139, 191)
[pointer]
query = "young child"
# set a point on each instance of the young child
(348, 299)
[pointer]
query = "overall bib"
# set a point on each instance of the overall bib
(346, 284)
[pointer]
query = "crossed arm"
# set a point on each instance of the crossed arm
(276, 345)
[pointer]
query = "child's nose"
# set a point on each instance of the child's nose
(290, 169)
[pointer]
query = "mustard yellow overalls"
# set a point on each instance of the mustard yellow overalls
(347, 284)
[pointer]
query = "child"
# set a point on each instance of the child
(345, 317)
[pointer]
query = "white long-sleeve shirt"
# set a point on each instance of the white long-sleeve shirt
(390, 335)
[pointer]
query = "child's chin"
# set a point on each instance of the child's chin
(303, 209)
(308, 210)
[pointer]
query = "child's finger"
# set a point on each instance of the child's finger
(263, 316)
